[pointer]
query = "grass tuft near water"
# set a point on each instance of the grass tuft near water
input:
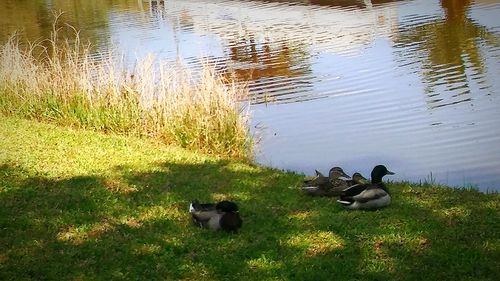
(82, 205)
(59, 80)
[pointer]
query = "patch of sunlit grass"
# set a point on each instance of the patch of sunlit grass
(169, 212)
(316, 242)
(492, 205)
(79, 234)
(454, 214)
(241, 196)
(303, 215)
(216, 197)
(264, 263)
(146, 249)
(118, 186)
(242, 168)
(131, 222)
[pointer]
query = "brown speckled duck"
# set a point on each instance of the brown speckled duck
(333, 185)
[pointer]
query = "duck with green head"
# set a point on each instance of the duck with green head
(373, 195)
(333, 185)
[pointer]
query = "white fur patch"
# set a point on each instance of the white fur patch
(372, 204)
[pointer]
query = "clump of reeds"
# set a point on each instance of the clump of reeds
(65, 84)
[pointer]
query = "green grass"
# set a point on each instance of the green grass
(64, 84)
(82, 205)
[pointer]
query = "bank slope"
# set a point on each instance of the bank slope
(83, 205)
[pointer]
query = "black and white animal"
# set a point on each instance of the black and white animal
(372, 195)
(223, 215)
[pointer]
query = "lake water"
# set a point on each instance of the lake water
(410, 84)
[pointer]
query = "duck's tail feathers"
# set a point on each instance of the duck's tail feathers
(194, 206)
(306, 188)
(343, 202)
(318, 173)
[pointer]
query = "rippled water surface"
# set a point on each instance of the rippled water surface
(410, 84)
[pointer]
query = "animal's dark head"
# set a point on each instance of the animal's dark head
(226, 206)
(379, 172)
(358, 178)
(231, 222)
(337, 172)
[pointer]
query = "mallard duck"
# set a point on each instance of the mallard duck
(373, 195)
(318, 180)
(327, 186)
(357, 178)
(223, 215)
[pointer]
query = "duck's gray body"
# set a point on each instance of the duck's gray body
(213, 222)
(207, 218)
(223, 215)
(368, 196)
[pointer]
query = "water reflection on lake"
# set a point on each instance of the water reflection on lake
(411, 84)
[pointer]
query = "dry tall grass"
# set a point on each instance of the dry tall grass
(62, 83)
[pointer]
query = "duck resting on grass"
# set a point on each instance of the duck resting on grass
(357, 178)
(333, 185)
(223, 215)
(373, 195)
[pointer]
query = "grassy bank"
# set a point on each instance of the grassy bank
(59, 80)
(81, 205)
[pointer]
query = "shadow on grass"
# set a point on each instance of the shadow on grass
(133, 225)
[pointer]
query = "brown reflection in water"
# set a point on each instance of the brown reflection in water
(447, 48)
(157, 5)
(34, 18)
(27, 17)
(158, 8)
(253, 61)
(348, 3)
(338, 3)
(264, 61)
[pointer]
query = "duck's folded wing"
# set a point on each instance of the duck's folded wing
(309, 188)
(201, 216)
(206, 207)
(354, 190)
(369, 195)
(196, 206)
(313, 191)
(318, 181)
